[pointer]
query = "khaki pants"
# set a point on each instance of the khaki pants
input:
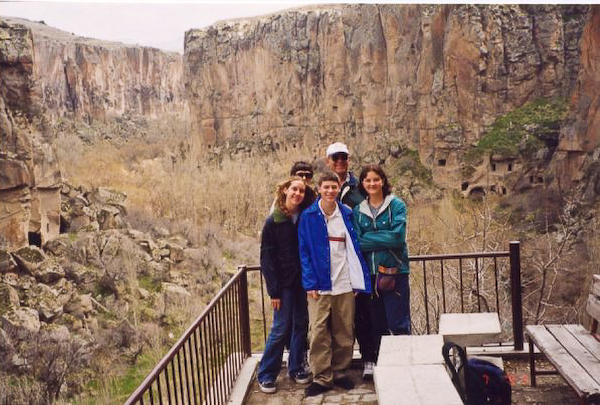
(331, 339)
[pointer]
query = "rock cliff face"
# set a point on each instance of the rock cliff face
(433, 76)
(581, 134)
(48, 76)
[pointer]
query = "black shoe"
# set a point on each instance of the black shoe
(315, 389)
(344, 382)
(368, 371)
(301, 377)
(268, 387)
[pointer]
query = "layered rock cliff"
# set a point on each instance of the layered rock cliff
(47, 77)
(434, 77)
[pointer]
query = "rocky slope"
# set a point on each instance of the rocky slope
(52, 80)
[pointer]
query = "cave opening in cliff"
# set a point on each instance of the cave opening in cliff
(63, 225)
(477, 193)
(442, 162)
(35, 238)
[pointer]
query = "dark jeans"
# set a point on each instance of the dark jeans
(363, 327)
(392, 310)
(290, 324)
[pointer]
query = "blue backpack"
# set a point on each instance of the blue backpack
(477, 381)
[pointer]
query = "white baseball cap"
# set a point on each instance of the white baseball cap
(337, 147)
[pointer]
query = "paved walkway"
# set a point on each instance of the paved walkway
(551, 390)
(290, 393)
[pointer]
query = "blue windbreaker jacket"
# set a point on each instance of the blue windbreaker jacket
(314, 251)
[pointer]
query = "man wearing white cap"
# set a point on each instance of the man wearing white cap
(338, 158)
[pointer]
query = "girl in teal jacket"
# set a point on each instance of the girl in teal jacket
(380, 223)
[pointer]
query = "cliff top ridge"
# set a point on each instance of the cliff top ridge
(41, 30)
(245, 25)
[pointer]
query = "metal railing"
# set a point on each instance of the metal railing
(204, 363)
(461, 282)
(469, 282)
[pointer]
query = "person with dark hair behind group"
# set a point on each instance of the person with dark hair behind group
(305, 171)
(280, 265)
(380, 222)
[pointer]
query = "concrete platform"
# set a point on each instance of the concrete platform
(415, 385)
(470, 329)
(406, 350)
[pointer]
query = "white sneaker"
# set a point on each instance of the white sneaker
(368, 371)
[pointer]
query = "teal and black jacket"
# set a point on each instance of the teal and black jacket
(383, 239)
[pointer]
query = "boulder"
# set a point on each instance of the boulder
(49, 272)
(33, 261)
(103, 195)
(109, 217)
(20, 322)
(30, 259)
(9, 298)
(110, 245)
(174, 293)
(86, 250)
(176, 253)
(80, 274)
(46, 301)
(56, 247)
(56, 333)
(79, 306)
(11, 279)
(7, 262)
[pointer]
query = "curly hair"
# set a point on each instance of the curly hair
(387, 188)
(280, 192)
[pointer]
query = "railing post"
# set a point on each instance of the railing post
(515, 292)
(245, 311)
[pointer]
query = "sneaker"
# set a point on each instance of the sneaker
(344, 382)
(315, 389)
(301, 377)
(268, 387)
(368, 371)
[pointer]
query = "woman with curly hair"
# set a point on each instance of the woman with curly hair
(280, 265)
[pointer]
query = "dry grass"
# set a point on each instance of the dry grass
(222, 205)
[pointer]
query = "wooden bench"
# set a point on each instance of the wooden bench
(574, 352)
(410, 370)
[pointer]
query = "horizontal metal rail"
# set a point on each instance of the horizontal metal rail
(462, 282)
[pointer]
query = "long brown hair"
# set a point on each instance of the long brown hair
(280, 193)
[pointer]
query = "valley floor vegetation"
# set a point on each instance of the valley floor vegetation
(218, 206)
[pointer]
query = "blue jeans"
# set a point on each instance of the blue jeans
(290, 324)
(392, 309)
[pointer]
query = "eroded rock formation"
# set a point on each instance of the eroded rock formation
(580, 137)
(434, 76)
(47, 77)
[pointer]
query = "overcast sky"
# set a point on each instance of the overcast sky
(156, 23)
(151, 23)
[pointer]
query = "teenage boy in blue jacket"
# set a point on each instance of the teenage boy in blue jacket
(333, 268)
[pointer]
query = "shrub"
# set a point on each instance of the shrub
(523, 130)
